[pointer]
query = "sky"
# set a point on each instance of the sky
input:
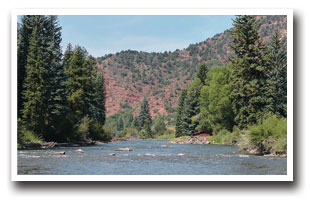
(105, 34)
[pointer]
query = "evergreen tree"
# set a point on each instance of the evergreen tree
(249, 75)
(120, 124)
(145, 119)
(25, 30)
(80, 84)
(36, 85)
(129, 120)
(180, 112)
(276, 58)
(67, 56)
(98, 109)
(57, 99)
(202, 73)
(193, 104)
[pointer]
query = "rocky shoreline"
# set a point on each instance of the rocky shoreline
(50, 145)
(248, 150)
(192, 140)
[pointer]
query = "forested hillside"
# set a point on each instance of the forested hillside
(130, 75)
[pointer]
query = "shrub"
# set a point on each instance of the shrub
(226, 137)
(270, 134)
(25, 135)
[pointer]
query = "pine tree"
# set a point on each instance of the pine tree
(67, 57)
(98, 110)
(79, 75)
(276, 58)
(120, 124)
(25, 30)
(249, 75)
(145, 119)
(202, 73)
(180, 112)
(35, 110)
(57, 99)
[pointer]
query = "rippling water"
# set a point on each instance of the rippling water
(197, 159)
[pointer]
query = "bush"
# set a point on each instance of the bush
(97, 132)
(270, 134)
(226, 137)
(25, 135)
(129, 133)
(91, 129)
(167, 135)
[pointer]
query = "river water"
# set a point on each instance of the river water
(180, 159)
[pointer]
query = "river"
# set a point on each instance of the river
(196, 160)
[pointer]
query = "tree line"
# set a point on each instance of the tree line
(242, 97)
(61, 97)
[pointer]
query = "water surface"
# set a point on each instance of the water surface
(197, 160)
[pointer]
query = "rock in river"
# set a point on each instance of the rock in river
(79, 151)
(60, 153)
(124, 149)
(112, 154)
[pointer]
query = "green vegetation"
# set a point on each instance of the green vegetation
(60, 98)
(238, 94)
(243, 102)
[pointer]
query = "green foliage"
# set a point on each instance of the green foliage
(270, 134)
(58, 99)
(145, 119)
(249, 76)
(167, 135)
(129, 133)
(36, 85)
(180, 126)
(202, 73)
(159, 126)
(215, 103)
(120, 124)
(225, 137)
(276, 59)
(98, 110)
(98, 132)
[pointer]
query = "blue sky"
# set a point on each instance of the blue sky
(106, 34)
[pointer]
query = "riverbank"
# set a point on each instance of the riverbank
(251, 150)
(50, 145)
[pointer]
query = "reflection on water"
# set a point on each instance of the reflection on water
(148, 158)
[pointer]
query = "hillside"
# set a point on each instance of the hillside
(130, 75)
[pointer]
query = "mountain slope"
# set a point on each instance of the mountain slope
(131, 75)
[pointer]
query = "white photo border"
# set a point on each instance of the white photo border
(287, 177)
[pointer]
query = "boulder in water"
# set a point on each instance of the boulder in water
(164, 146)
(112, 154)
(60, 153)
(124, 149)
(79, 151)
